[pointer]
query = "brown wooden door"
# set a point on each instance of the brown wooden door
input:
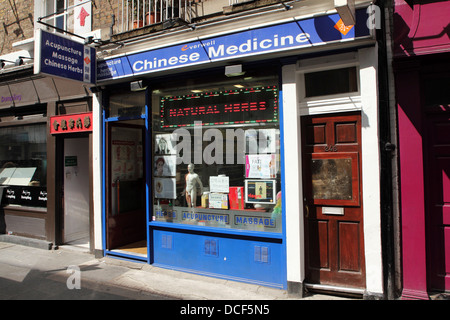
(331, 147)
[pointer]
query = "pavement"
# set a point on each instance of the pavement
(70, 273)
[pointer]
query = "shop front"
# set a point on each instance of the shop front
(210, 169)
(37, 199)
(218, 155)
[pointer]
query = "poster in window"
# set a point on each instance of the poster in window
(260, 191)
(219, 184)
(267, 140)
(165, 188)
(165, 166)
(260, 166)
(262, 141)
(123, 160)
(165, 144)
(251, 141)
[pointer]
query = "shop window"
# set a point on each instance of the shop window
(23, 165)
(330, 82)
(216, 152)
(127, 105)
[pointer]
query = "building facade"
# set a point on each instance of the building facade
(233, 140)
(224, 153)
(421, 53)
(46, 158)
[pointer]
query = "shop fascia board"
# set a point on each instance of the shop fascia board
(354, 44)
(219, 28)
(228, 24)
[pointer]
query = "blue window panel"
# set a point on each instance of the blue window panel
(237, 259)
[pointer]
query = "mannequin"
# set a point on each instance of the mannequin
(194, 186)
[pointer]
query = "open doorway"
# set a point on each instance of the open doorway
(76, 193)
(126, 232)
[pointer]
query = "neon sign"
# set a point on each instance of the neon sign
(240, 106)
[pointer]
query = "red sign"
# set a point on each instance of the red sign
(80, 122)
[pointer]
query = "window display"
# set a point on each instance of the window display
(217, 151)
(23, 165)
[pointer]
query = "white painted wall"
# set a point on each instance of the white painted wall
(97, 133)
(292, 177)
(368, 60)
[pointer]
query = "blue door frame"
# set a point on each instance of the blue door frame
(262, 244)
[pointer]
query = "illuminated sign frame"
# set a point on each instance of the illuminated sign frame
(71, 123)
(240, 106)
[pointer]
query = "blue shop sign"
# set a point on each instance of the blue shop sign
(60, 56)
(287, 36)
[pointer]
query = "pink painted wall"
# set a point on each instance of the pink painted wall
(412, 185)
(421, 28)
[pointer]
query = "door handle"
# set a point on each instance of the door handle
(307, 211)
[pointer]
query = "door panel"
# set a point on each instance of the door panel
(319, 244)
(349, 254)
(332, 198)
(437, 170)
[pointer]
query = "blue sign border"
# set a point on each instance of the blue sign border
(287, 36)
(62, 57)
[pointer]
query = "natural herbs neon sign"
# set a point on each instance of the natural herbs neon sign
(252, 105)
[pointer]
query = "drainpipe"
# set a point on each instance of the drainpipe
(387, 149)
(113, 23)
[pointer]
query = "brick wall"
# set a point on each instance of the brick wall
(102, 11)
(16, 22)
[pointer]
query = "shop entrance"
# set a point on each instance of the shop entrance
(76, 191)
(332, 198)
(125, 181)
